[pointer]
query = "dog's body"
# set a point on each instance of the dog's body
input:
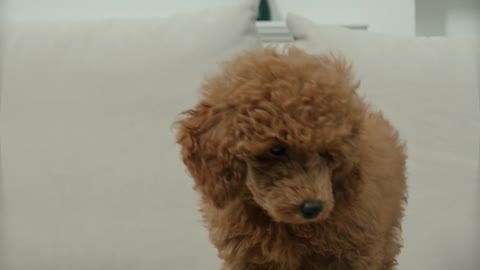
(294, 170)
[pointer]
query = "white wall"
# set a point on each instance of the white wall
(463, 21)
(389, 16)
(393, 16)
(454, 18)
(405, 17)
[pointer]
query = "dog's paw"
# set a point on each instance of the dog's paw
(338, 265)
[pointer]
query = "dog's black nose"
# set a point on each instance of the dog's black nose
(311, 209)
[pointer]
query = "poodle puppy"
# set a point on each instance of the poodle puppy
(294, 169)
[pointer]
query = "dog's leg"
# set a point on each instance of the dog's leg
(392, 248)
(236, 266)
(362, 259)
(242, 266)
(248, 266)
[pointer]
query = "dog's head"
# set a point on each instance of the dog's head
(277, 129)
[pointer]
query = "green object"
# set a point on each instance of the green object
(264, 11)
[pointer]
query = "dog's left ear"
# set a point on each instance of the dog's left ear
(347, 179)
(204, 136)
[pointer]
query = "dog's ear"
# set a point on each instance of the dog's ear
(347, 179)
(204, 136)
(346, 186)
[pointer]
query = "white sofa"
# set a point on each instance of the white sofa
(90, 174)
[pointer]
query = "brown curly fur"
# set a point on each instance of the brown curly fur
(250, 199)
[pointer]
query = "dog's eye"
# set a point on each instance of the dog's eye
(326, 156)
(278, 151)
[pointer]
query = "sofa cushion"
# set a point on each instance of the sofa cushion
(92, 176)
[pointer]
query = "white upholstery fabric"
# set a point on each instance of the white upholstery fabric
(92, 177)
(429, 88)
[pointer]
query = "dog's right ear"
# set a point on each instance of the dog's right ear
(204, 136)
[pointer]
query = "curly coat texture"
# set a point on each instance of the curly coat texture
(333, 149)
